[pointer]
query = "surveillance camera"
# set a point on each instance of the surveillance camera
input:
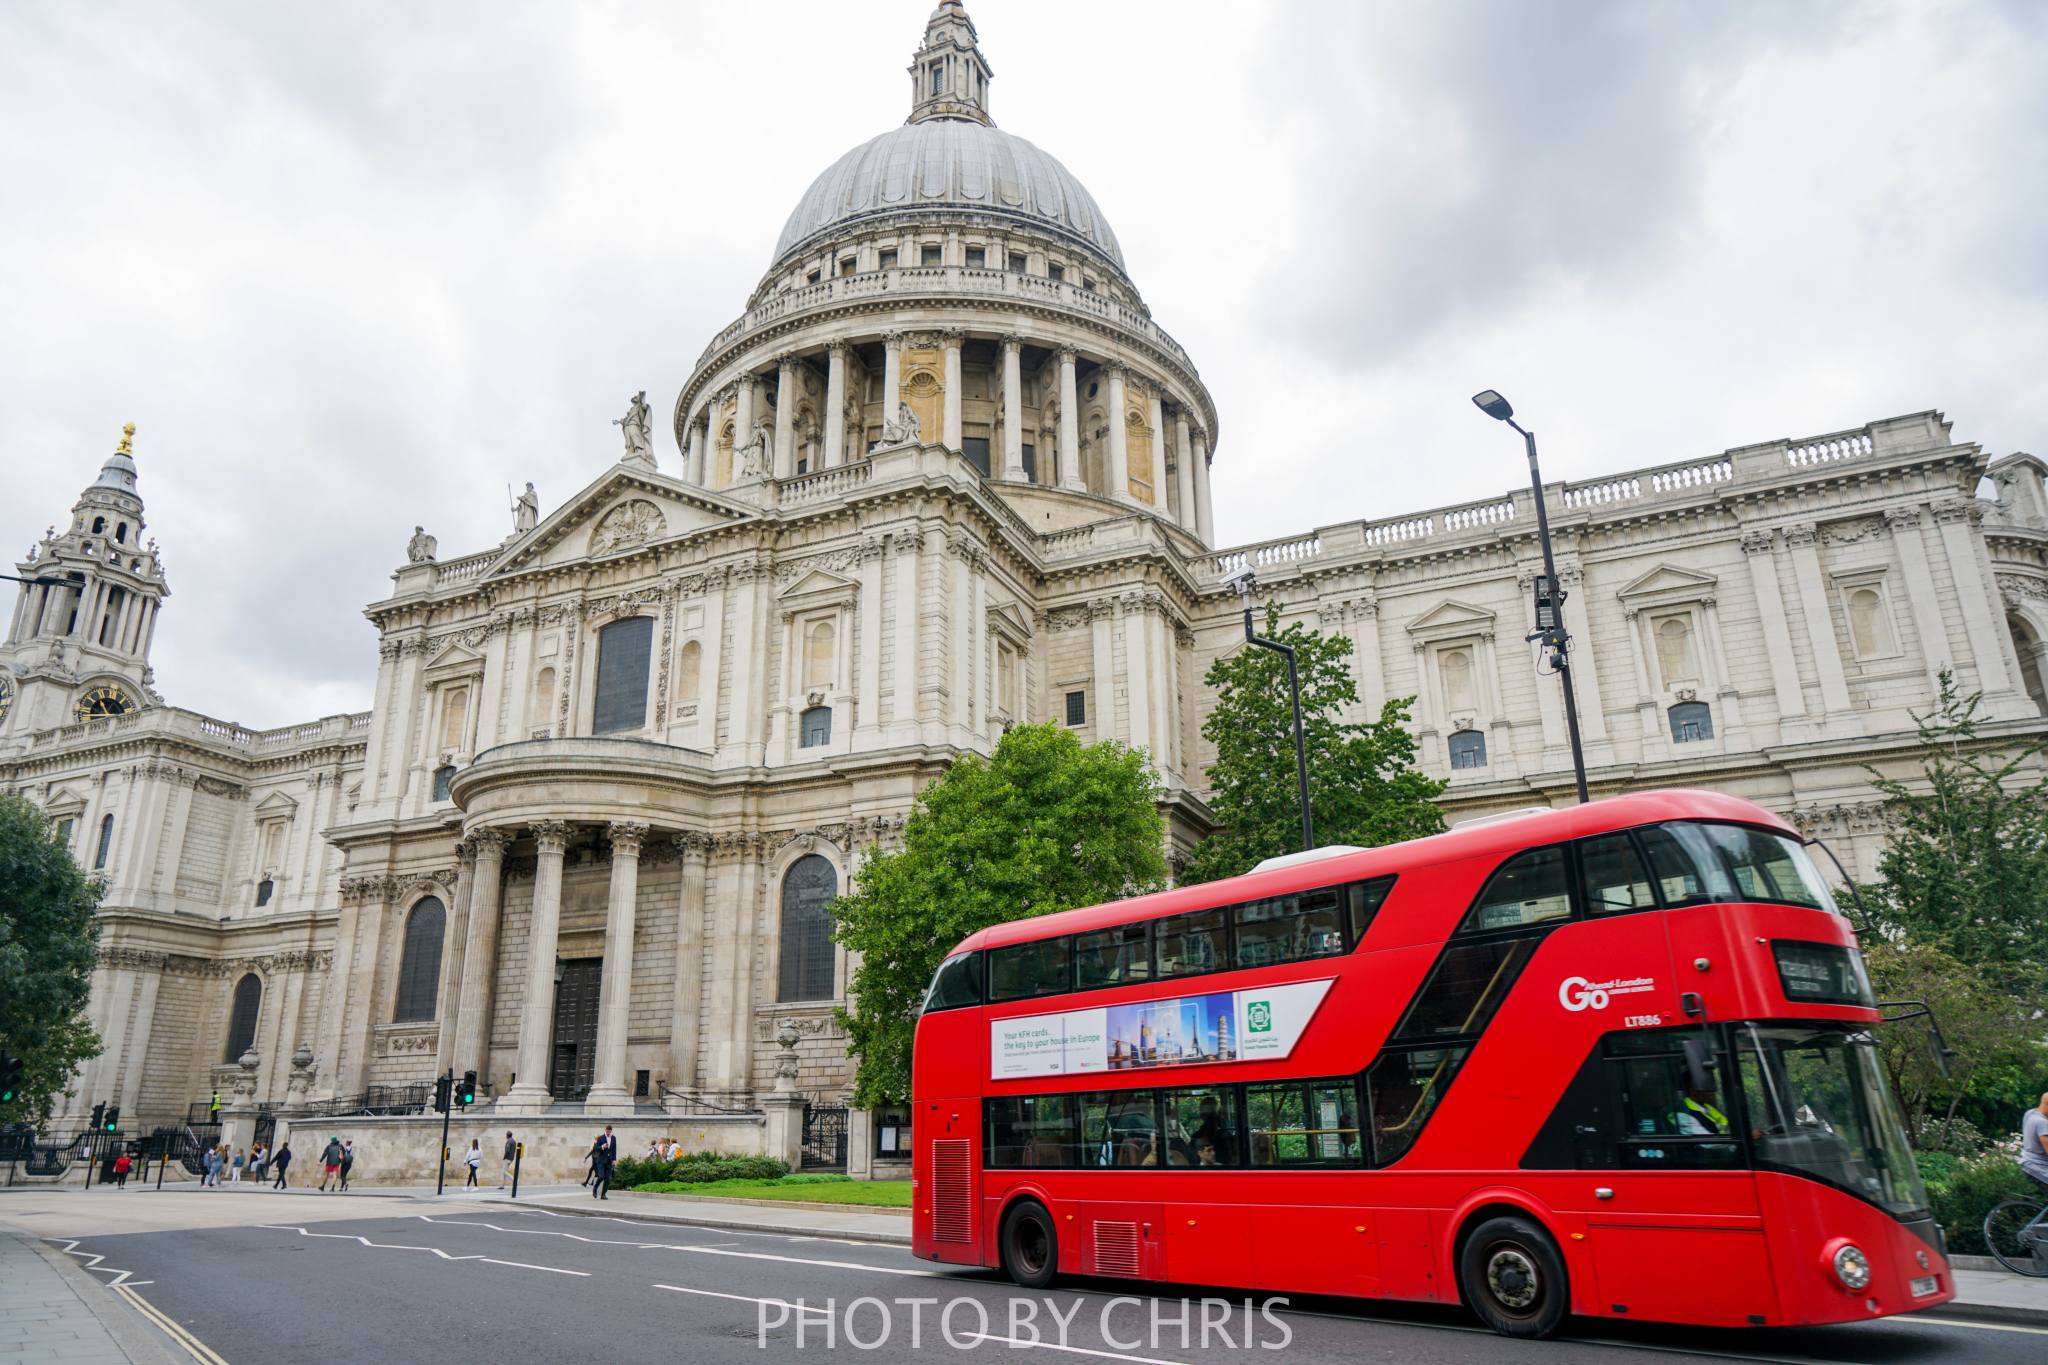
(1243, 581)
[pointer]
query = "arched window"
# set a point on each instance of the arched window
(1675, 658)
(689, 671)
(1690, 721)
(453, 712)
(807, 957)
(623, 648)
(99, 859)
(263, 890)
(99, 524)
(242, 1020)
(1468, 749)
(1870, 630)
(2028, 647)
(419, 970)
(121, 533)
(543, 698)
(1456, 666)
(817, 727)
(818, 655)
(443, 775)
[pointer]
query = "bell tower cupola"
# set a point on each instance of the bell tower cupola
(78, 642)
(948, 75)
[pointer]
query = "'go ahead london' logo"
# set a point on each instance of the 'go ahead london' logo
(1576, 993)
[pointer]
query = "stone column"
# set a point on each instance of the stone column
(608, 1092)
(1158, 420)
(949, 424)
(743, 421)
(1205, 525)
(906, 545)
(892, 374)
(480, 956)
(1119, 438)
(1841, 721)
(1794, 725)
(868, 690)
(1976, 600)
(696, 468)
(1069, 476)
(689, 980)
(1013, 408)
(785, 416)
(1184, 475)
(529, 1094)
(835, 405)
(1925, 603)
(455, 946)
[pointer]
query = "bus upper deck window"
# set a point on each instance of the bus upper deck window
(1531, 888)
(1614, 876)
(1029, 969)
(956, 984)
(1112, 957)
(1699, 863)
(1366, 899)
(1190, 944)
(1290, 928)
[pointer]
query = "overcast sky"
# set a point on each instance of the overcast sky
(350, 268)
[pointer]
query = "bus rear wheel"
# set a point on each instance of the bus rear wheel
(1511, 1275)
(1029, 1247)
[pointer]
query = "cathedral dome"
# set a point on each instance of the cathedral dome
(952, 164)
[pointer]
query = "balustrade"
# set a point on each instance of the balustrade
(1845, 445)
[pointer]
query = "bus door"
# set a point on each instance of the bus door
(952, 1130)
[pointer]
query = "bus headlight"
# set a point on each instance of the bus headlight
(1852, 1267)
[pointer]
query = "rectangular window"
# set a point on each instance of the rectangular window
(1033, 1132)
(1119, 1128)
(641, 1083)
(929, 255)
(975, 448)
(1203, 1126)
(1405, 1089)
(1016, 264)
(1030, 462)
(1113, 957)
(1077, 708)
(1030, 969)
(623, 650)
(814, 277)
(846, 265)
(1054, 272)
(64, 833)
(1290, 928)
(1614, 876)
(888, 261)
(977, 258)
(1304, 1123)
(1189, 945)
(1822, 973)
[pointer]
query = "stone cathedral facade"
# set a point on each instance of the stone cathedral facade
(944, 474)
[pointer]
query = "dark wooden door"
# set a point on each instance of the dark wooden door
(575, 1036)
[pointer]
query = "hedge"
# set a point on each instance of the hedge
(696, 1168)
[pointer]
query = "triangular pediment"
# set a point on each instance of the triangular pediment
(1667, 579)
(455, 654)
(1009, 614)
(276, 804)
(817, 580)
(1451, 614)
(620, 515)
(63, 803)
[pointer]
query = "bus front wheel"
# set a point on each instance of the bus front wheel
(1511, 1275)
(1030, 1248)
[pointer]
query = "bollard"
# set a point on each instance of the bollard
(518, 1151)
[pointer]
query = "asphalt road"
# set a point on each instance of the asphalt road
(494, 1285)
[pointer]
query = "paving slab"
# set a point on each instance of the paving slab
(53, 1309)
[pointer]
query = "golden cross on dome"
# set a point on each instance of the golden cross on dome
(127, 440)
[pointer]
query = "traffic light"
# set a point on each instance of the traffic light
(465, 1093)
(112, 1122)
(99, 1111)
(10, 1078)
(441, 1087)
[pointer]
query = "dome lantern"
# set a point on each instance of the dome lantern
(948, 75)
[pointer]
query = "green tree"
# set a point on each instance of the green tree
(1363, 786)
(1967, 867)
(47, 935)
(1045, 824)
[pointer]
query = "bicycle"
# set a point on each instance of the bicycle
(2017, 1233)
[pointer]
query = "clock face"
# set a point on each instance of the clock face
(6, 699)
(102, 701)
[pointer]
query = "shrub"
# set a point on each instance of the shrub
(696, 1168)
(1969, 1190)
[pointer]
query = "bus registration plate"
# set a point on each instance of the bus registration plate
(1926, 1285)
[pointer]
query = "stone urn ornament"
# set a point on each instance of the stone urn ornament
(786, 1064)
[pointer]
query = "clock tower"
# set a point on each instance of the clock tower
(78, 642)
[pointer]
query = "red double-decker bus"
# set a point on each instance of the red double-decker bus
(1614, 1060)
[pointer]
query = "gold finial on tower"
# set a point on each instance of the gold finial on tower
(127, 446)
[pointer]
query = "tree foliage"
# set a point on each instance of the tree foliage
(1363, 785)
(1966, 870)
(1045, 824)
(47, 935)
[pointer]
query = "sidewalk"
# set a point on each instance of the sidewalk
(1997, 1296)
(842, 1222)
(51, 1309)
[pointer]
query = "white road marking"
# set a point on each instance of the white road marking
(92, 1262)
(743, 1298)
(552, 1270)
(677, 1246)
(1070, 1350)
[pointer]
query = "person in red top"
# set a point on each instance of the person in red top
(121, 1168)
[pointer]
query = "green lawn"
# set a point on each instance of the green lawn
(892, 1194)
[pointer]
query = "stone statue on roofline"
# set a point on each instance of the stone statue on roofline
(904, 430)
(637, 426)
(420, 549)
(526, 511)
(754, 454)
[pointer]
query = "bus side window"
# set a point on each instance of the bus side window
(1365, 899)
(1113, 957)
(1191, 944)
(1304, 1123)
(1024, 970)
(1584, 1127)
(1032, 1132)
(1403, 1089)
(956, 985)
(1203, 1126)
(1530, 888)
(1293, 928)
(1466, 987)
(1613, 875)
(1119, 1128)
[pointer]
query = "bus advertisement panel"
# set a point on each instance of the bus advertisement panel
(1224, 1026)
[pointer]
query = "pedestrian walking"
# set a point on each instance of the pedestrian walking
(511, 1150)
(282, 1164)
(590, 1159)
(330, 1160)
(607, 1158)
(235, 1171)
(256, 1163)
(473, 1160)
(121, 1166)
(348, 1160)
(2034, 1144)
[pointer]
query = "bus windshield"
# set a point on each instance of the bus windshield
(1819, 1107)
(1696, 863)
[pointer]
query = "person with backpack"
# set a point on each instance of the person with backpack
(331, 1160)
(348, 1159)
(511, 1151)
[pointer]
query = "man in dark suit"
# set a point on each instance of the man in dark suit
(607, 1157)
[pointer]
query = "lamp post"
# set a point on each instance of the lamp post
(1246, 582)
(1549, 595)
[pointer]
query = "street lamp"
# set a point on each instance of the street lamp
(1246, 581)
(1549, 596)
